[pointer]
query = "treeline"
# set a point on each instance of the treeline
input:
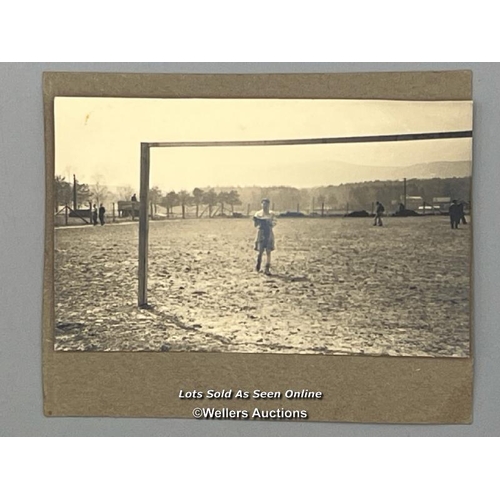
(358, 196)
(207, 202)
(64, 193)
(215, 201)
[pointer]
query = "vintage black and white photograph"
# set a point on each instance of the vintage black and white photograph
(320, 227)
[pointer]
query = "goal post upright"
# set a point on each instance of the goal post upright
(145, 167)
(144, 225)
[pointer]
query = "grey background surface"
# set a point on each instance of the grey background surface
(21, 260)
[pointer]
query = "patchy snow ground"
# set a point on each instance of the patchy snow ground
(339, 286)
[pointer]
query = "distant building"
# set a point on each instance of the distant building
(427, 208)
(421, 206)
(412, 202)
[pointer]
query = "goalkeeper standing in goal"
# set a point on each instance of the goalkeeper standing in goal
(265, 220)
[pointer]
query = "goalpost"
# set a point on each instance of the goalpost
(145, 167)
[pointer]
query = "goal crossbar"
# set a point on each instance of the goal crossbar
(145, 168)
(323, 140)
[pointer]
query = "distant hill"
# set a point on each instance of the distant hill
(434, 170)
(334, 173)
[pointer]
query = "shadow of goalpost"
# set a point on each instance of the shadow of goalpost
(145, 169)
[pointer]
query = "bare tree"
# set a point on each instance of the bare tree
(155, 196)
(198, 199)
(170, 201)
(99, 190)
(222, 198)
(184, 199)
(233, 198)
(125, 193)
(210, 199)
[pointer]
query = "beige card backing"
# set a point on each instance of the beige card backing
(146, 384)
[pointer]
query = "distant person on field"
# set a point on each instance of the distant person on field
(134, 198)
(102, 211)
(94, 215)
(379, 210)
(265, 220)
(454, 214)
(463, 220)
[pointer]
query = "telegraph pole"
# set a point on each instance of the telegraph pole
(74, 193)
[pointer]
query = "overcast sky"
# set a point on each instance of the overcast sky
(99, 138)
